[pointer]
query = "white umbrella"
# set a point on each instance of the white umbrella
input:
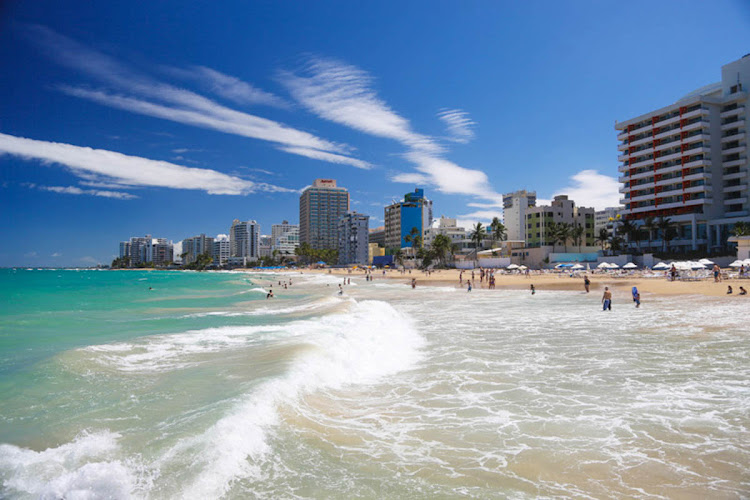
(747, 262)
(577, 266)
(602, 265)
(660, 265)
(706, 262)
(629, 265)
(682, 266)
(614, 266)
(696, 265)
(523, 268)
(737, 263)
(512, 266)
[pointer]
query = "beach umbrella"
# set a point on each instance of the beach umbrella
(660, 265)
(512, 266)
(706, 262)
(737, 263)
(523, 268)
(696, 265)
(747, 262)
(577, 266)
(603, 265)
(629, 265)
(613, 266)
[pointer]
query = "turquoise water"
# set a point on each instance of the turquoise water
(203, 388)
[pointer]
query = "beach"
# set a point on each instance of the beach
(161, 384)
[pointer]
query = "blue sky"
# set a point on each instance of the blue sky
(119, 119)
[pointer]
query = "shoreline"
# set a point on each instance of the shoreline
(620, 286)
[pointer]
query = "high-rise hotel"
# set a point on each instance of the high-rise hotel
(688, 161)
(320, 208)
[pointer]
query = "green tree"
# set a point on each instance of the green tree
(415, 238)
(627, 230)
(666, 228)
(603, 237)
(615, 244)
(441, 246)
(477, 236)
(562, 233)
(498, 231)
(741, 229)
(576, 233)
(398, 256)
(649, 226)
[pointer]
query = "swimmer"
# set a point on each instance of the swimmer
(341, 290)
(270, 295)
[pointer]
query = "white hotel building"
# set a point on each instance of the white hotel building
(688, 161)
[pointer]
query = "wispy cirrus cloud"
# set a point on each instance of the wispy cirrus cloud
(75, 190)
(137, 93)
(458, 123)
(344, 94)
(229, 87)
(100, 165)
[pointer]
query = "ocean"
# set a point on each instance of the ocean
(156, 384)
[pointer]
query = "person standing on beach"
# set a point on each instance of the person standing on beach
(607, 300)
(468, 287)
(533, 290)
(414, 282)
(636, 297)
(717, 273)
(586, 282)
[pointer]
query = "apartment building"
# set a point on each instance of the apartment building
(445, 226)
(515, 206)
(353, 238)
(688, 161)
(320, 208)
(284, 238)
(244, 240)
(221, 250)
(147, 250)
(402, 216)
(539, 219)
(195, 246)
(606, 219)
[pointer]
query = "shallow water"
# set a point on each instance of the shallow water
(201, 388)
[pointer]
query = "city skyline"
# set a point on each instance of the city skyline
(113, 128)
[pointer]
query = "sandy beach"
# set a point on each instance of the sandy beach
(620, 285)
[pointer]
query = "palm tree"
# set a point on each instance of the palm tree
(415, 238)
(603, 237)
(564, 232)
(615, 244)
(577, 234)
(649, 225)
(477, 236)
(666, 227)
(497, 231)
(398, 256)
(741, 229)
(441, 245)
(628, 230)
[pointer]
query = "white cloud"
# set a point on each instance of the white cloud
(458, 123)
(343, 94)
(589, 188)
(232, 88)
(92, 192)
(316, 154)
(147, 96)
(56, 254)
(124, 170)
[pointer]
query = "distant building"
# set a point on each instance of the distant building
(353, 238)
(374, 250)
(221, 250)
(515, 206)
(688, 161)
(244, 240)
(320, 208)
(284, 238)
(401, 217)
(446, 226)
(605, 219)
(265, 245)
(195, 246)
(377, 235)
(539, 219)
(147, 250)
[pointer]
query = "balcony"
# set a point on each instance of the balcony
(737, 213)
(736, 175)
(739, 149)
(734, 163)
(737, 187)
(735, 137)
(733, 112)
(735, 201)
(736, 124)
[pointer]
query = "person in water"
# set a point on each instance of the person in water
(586, 282)
(636, 297)
(607, 300)
(341, 289)
(414, 282)
(269, 295)
(533, 290)
(468, 283)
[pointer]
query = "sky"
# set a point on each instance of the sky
(168, 118)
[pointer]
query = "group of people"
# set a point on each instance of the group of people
(742, 290)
